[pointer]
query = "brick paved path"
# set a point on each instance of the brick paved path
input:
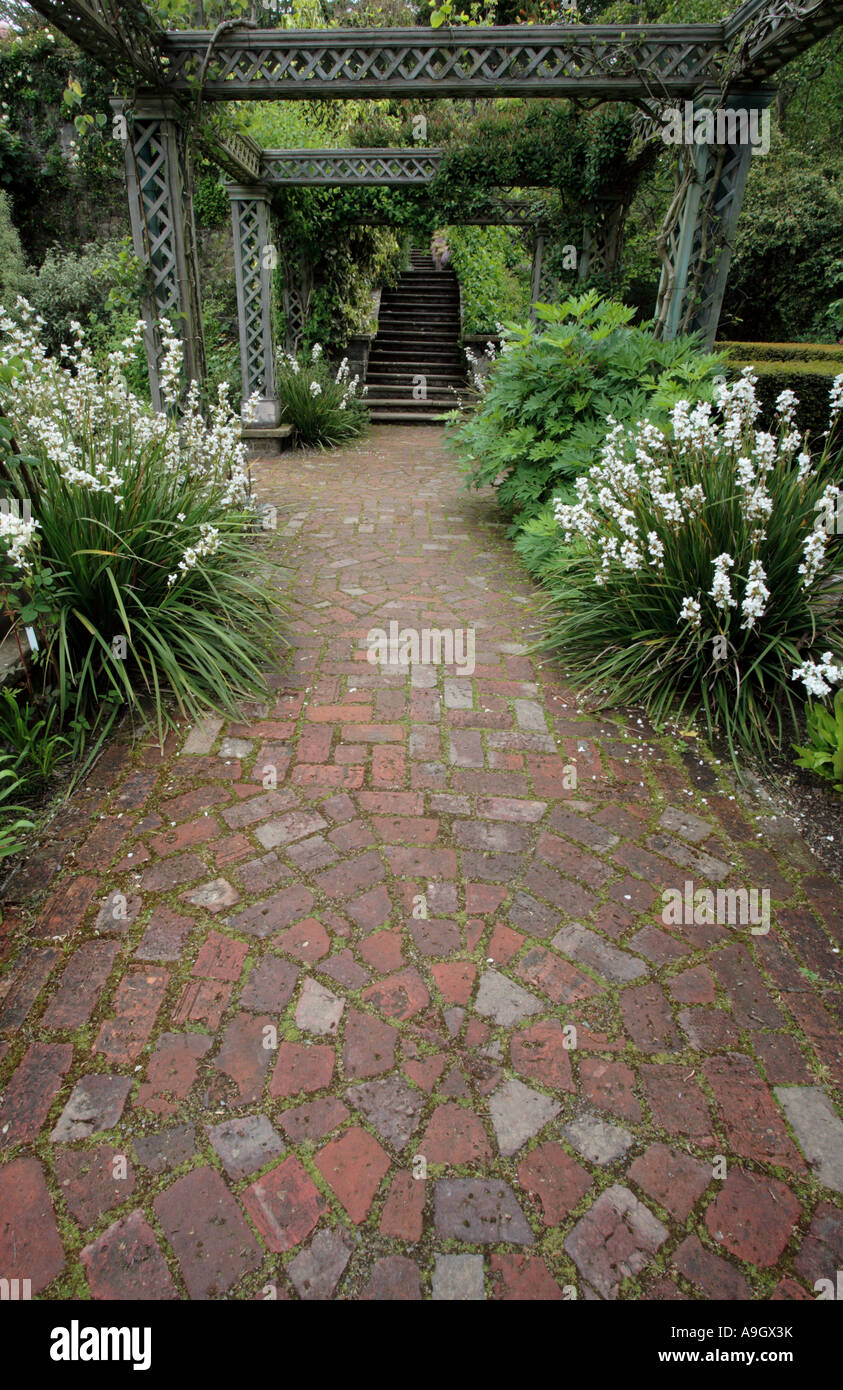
(227, 1078)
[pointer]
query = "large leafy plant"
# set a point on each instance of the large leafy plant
(822, 753)
(543, 415)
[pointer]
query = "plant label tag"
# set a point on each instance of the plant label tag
(32, 639)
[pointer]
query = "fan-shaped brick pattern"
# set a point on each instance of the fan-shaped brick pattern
(367, 992)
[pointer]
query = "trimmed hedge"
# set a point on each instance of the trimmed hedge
(783, 352)
(806, 368)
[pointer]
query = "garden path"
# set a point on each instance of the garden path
(229, 1049)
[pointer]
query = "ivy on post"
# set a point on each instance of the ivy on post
(255, 259)
(696, 241)
(161, 211)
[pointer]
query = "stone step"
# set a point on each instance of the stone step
(436, 403)
(410, 357)
(398, 417)
(418, 335)
(409, 346)
(441, 323)
(438, 381)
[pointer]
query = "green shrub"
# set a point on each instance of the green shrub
(136, 571)
(811, 381)
(13, 272)
(542, 416)
(96, 286)
(823, 753)
(324, 407)
(494, 275)
(787, 267)
(782, 352)
(666, 525)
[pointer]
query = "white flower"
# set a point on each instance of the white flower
(656, 549)
(815, 675)
(755, 595)
(836, 398)
(721, 590)
(786, 404)
(690, 612)
(814, 546)
(19, 536)
(693, 497)
(630, 556)
(315, 389)
(316, 352)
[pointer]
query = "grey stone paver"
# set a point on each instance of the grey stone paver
(597, 1140)
(318, 1010)
(615, 1240)
(246, 1143)
(391, 1106)
(504, 1001)
(480, 1212)
(317, 1270)
(590, 949)
(458, 1278)
(518, 1112)
(818, 1130)
(95, 1103)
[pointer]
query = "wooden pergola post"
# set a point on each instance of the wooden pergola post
(700, 247)
(255, 258)
(163, 231)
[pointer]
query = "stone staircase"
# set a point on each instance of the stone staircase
(418, 337)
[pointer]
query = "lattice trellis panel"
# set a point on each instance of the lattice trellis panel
(544, 287)
(722, 193)
(603, 238)
(121, 34)
(127, 38)
(254, 257)
(298, 288)
(160, 214)
(352, 166)
(518, 60)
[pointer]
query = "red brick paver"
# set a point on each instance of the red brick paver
(368, 993)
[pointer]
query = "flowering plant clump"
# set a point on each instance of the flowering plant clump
(327, 408)
(133, 566)
(700, 566)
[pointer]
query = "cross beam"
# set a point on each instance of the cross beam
(612, 61)
(513, 60)
(356, 167)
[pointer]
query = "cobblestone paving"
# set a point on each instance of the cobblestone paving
(231, 1042)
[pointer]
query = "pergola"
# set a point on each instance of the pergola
(178, 76)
